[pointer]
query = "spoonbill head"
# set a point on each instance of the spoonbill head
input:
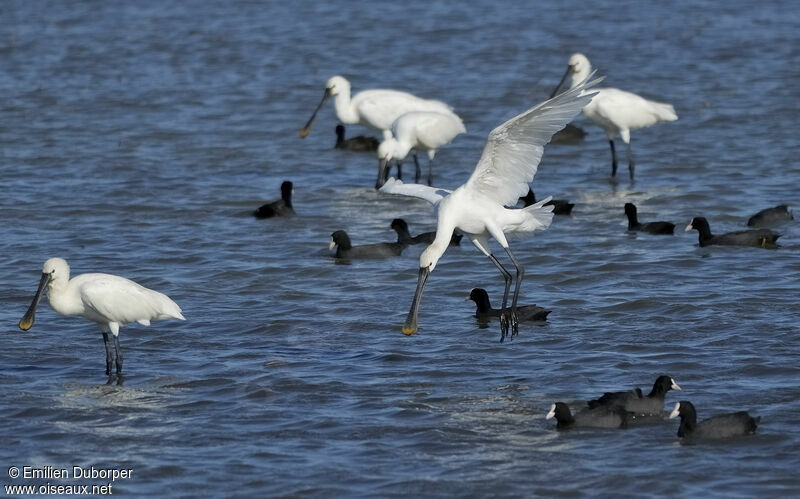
(478, 207)
(108, 300)
(616, 111)
(417, 131)
(376, 108)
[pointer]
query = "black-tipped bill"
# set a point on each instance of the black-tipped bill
(561, 83)
(307, 128)
(410, 327)
(382, 166)
(30, 316)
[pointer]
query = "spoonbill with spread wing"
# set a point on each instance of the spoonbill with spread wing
(616, 111)
(376, 108)
(110, 301)
(478, 207)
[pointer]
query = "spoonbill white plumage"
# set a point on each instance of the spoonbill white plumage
(377, 108)
(420, 131)
(616, 111)
(110, 301)
(478, 207)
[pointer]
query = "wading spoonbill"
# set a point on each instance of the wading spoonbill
(110, 301)
(616, 111)
(377, 108)
(417, 131)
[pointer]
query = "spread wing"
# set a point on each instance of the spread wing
(514, 149)
(431, 194)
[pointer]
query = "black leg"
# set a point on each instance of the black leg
(631, 161)
(613, 158)
(503, 311)
(399, 171)
(109, 355)
(430, 172)
(119, 354)
(520, 275)
(418, 170)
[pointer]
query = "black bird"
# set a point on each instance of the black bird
(484, 310)
(280, 208)
(404, 236)
(649, 227)
(634, 401)
(344, 249)
(771, 216)
(721, 426)
(570, 134)
(759, 238)
(358, 144)
(560, 206)
(599, 417)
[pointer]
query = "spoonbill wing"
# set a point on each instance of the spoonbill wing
(434, 129)
(431, 194)
(121, 300)
(513, 151)
(380, 106)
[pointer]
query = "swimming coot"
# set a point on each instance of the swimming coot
(560, 206)
(359, 143)
(634, 400)
(341, 247)
(759, 238)
(599, 417)
(649, 227)
(771, 216)
(721, 426)
(280, 208)
(484, 310)
(404, 236)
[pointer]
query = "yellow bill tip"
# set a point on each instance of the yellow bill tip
(409, 330)
(25, 324)
(304, 132)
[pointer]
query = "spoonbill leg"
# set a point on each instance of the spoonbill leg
(430, 171)
(613, 158)
(503, 310)
(418, 170)
(109, 354)
(118, 352)
(626, 137)
(520, 274)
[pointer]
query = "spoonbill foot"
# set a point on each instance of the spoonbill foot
(503, 325)
(514, 324)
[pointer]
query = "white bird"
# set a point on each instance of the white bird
(616, 111)
(110, 301)
(377, 108)
(478, 207)
(420, 131)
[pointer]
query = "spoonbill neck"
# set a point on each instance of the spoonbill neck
(344, 108)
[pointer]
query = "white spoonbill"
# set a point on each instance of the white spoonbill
(478, 207)
(420, 131)
(110, 301)
(616, 111)
(377, 108)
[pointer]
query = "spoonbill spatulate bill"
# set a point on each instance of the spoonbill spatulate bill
(376, 108)
(616, 111)
(417, 131)
(110, 301)
(478, 207)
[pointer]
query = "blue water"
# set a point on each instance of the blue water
(137, 137)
